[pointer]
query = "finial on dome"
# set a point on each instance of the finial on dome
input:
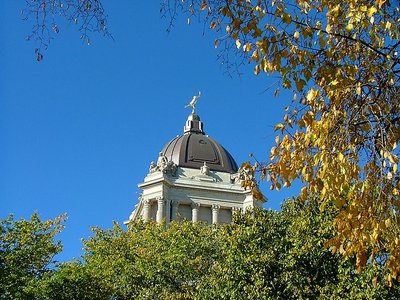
(193, 124)
(193, 102)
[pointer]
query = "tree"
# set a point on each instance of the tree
(72, 280)
(145, 262)
(282, 255)
(48, 16)
(263, 254)
(341, 132)
(27, 250)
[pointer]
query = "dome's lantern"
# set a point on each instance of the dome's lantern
(193, 124)
(194, 148)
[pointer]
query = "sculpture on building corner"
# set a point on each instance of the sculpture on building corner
(163, 165)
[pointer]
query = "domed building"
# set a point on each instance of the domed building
(194, 178)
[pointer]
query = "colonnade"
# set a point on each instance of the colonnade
(163, 210)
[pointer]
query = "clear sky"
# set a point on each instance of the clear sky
(79, 129)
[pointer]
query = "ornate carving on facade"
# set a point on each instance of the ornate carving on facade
(205, 174)
(153, 167)
(195, 205)
(216, 207)
(163, 165)
(236, 208)
(204, 178)
(205, 170)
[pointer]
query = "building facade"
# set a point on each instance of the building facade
(194, 178)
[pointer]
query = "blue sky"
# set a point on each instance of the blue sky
(79, 129)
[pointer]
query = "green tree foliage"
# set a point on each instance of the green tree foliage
(27, 250)
(263, 254)
(341, 132)
(145, 262)
(271, 255)
(73, 280)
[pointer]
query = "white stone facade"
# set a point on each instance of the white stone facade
(189, 194)
(194, 179)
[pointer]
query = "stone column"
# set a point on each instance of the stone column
(175, 206)
(215, 211)
(160, 209)
(167, 212)
(195, 212)
(146, 210)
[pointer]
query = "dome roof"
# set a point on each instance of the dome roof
(194, 148)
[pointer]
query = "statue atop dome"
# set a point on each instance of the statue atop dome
(193, 102)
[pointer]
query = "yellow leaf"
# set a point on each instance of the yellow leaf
(303, 193)
(311, 95)
(371, 11)
(296, 35)
(279, 126)
(247, 47)
(334, 82)
(238, 44)
(203, 5)
(286, 18)
(328, 28)
(358, 89)
(255, 56)
(340, 156)
(349, 27)
(380, 3)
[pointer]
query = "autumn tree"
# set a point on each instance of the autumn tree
(340, 133)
